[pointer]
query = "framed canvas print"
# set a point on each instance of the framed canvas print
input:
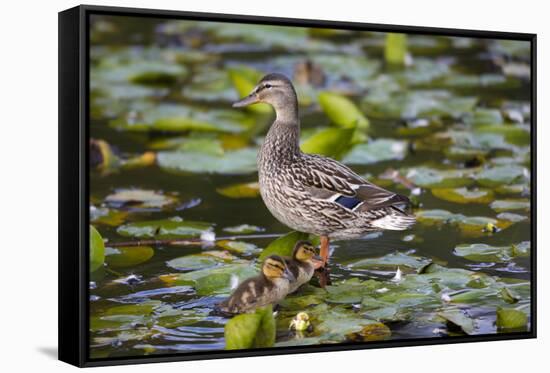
(233, 186)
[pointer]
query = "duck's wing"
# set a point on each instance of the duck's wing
(327, 179)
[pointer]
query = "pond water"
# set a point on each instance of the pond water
(450, 129)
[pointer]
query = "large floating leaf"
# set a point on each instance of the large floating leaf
(120, 257)
(244, 190)
(427, 177)
(139, 198)
(481, 252)
(174, 227)
(499, 175)
(178, 118)
(212, 280)
(378, 150)
(511, 204)
(464, 195)
(342, 111)
(330, 142)
(395, 51)
(474, 226)
(509, 318)
(255, 330)
(390, 262)
(194, 262)
(460, 319)
(244, 229)
(97, 249)
(283, 245)
(242, 161)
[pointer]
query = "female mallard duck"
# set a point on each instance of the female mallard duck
(269, 287)
(311, 193)
(301, 264)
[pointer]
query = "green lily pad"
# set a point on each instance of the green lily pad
(178, 118)
(459, 319)
(378, 150)
(247, 331)
(121, 257)
(244, 229)
(498, 175)
(428, 177)
(174, 227)
(464, 195)
(395, 51)
(97, 250)
(244, 190)
(106, 216)
(284, 245)
(342, 111)
(140, 198)
(473, 226)
(238, 246)
(480, 252)
(242, 161)
(390, 262)
(510, 318)
(511, 204)
(194, 262)
(513, 134)
(330, 142)
(212, 281)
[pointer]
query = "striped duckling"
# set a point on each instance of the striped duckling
(302, 264)
(269, 287)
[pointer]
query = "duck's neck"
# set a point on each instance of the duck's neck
(283, 139)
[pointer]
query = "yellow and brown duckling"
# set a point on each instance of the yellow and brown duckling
(269, 287)
(302, 264)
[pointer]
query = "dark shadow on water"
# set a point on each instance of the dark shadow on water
(49, 351)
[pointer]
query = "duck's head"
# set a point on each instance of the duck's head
(275, 267)
(304, 251)
(273, 89)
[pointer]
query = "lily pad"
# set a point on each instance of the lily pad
(103, 215)
(239, 247)
(378, 150)
(498, 175)
(97, 250)
(330, 142)
(244, 229)
(121, 257)
(459, 319)
(139, 198)
(342, 111)
(212, 281)
(392, 261)
(480, 252)
(464, 195)
(247, 331)
(428, 177)
(510, 318)
(395, 51)
(510, 204)
(174, 227)
(242, 161)
(194, 262)
(284, 245)
(244, 190)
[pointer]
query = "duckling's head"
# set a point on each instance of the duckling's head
(304, 251)
(273, 89)
(275, 267)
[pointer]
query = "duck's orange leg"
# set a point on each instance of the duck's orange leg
(324, 252)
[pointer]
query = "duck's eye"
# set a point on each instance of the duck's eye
(268, 86)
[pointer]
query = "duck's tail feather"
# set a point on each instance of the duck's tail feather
(398, 221)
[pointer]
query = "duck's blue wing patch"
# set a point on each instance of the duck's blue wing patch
(348, 202)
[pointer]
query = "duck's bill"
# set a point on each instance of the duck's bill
(248, 100)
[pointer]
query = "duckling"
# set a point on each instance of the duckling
(314, 194)
(269, 287)
(301, 264)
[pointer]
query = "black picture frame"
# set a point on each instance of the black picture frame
(74, 188)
